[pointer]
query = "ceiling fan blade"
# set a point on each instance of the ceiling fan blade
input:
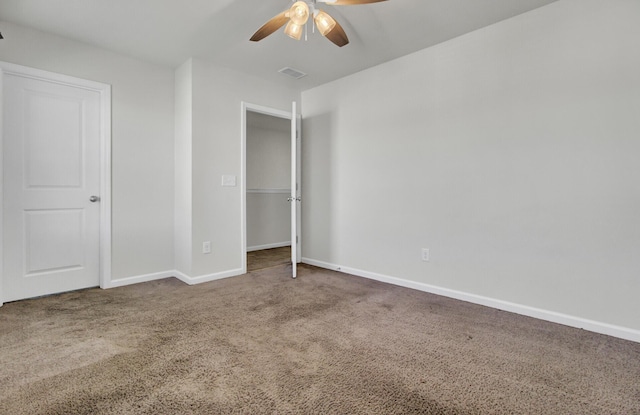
(270, 27)
(337, 35)
(348, 2)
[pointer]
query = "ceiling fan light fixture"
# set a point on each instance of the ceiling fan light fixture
(299, 13)
(297, 16)
(324, 22)
(293, 30)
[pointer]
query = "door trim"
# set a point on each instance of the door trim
(248, 107)
(104, 91)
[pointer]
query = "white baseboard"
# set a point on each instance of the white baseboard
(268, 246)
(173, 273)
(206, 278)
(139, 278)
(552, 316)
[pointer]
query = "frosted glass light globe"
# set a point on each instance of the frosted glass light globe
(299, 13)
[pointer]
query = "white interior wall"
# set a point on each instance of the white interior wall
(268, 152)
(511, 153)
(183, 161)
(268, 181)
(142, 140)
(216, 146)
(268, 221)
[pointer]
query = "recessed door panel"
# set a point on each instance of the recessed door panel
(53, 139)
(53, 240)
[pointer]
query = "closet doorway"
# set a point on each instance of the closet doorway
(268, 186)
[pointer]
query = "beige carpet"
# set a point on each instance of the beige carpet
(326, 343)
(267, 258)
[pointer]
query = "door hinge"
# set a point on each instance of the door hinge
(296, 238)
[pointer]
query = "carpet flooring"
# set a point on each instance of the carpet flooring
(267, 258)
(325, 343)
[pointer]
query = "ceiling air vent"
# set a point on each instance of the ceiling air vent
(294, 73)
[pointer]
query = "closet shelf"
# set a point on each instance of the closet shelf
(267, 191)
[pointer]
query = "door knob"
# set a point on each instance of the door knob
(94, 199)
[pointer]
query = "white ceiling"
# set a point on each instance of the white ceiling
(168, 32)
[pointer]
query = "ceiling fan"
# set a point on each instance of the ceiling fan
(298, 14)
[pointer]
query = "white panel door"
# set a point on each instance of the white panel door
(295, 189)
(51, 212)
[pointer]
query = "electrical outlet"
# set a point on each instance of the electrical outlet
(425, 254)
(206, 247)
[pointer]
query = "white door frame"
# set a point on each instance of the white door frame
(248, 107)
(105, 158)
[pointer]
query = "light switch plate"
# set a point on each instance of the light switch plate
(228, 180)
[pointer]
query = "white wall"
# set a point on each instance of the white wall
(268, 181)
(511, 152)
(142, 141)
(216, 148)
(268, 221)
(268, 152)
(183, 162)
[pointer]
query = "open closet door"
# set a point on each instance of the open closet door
(295, 189)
